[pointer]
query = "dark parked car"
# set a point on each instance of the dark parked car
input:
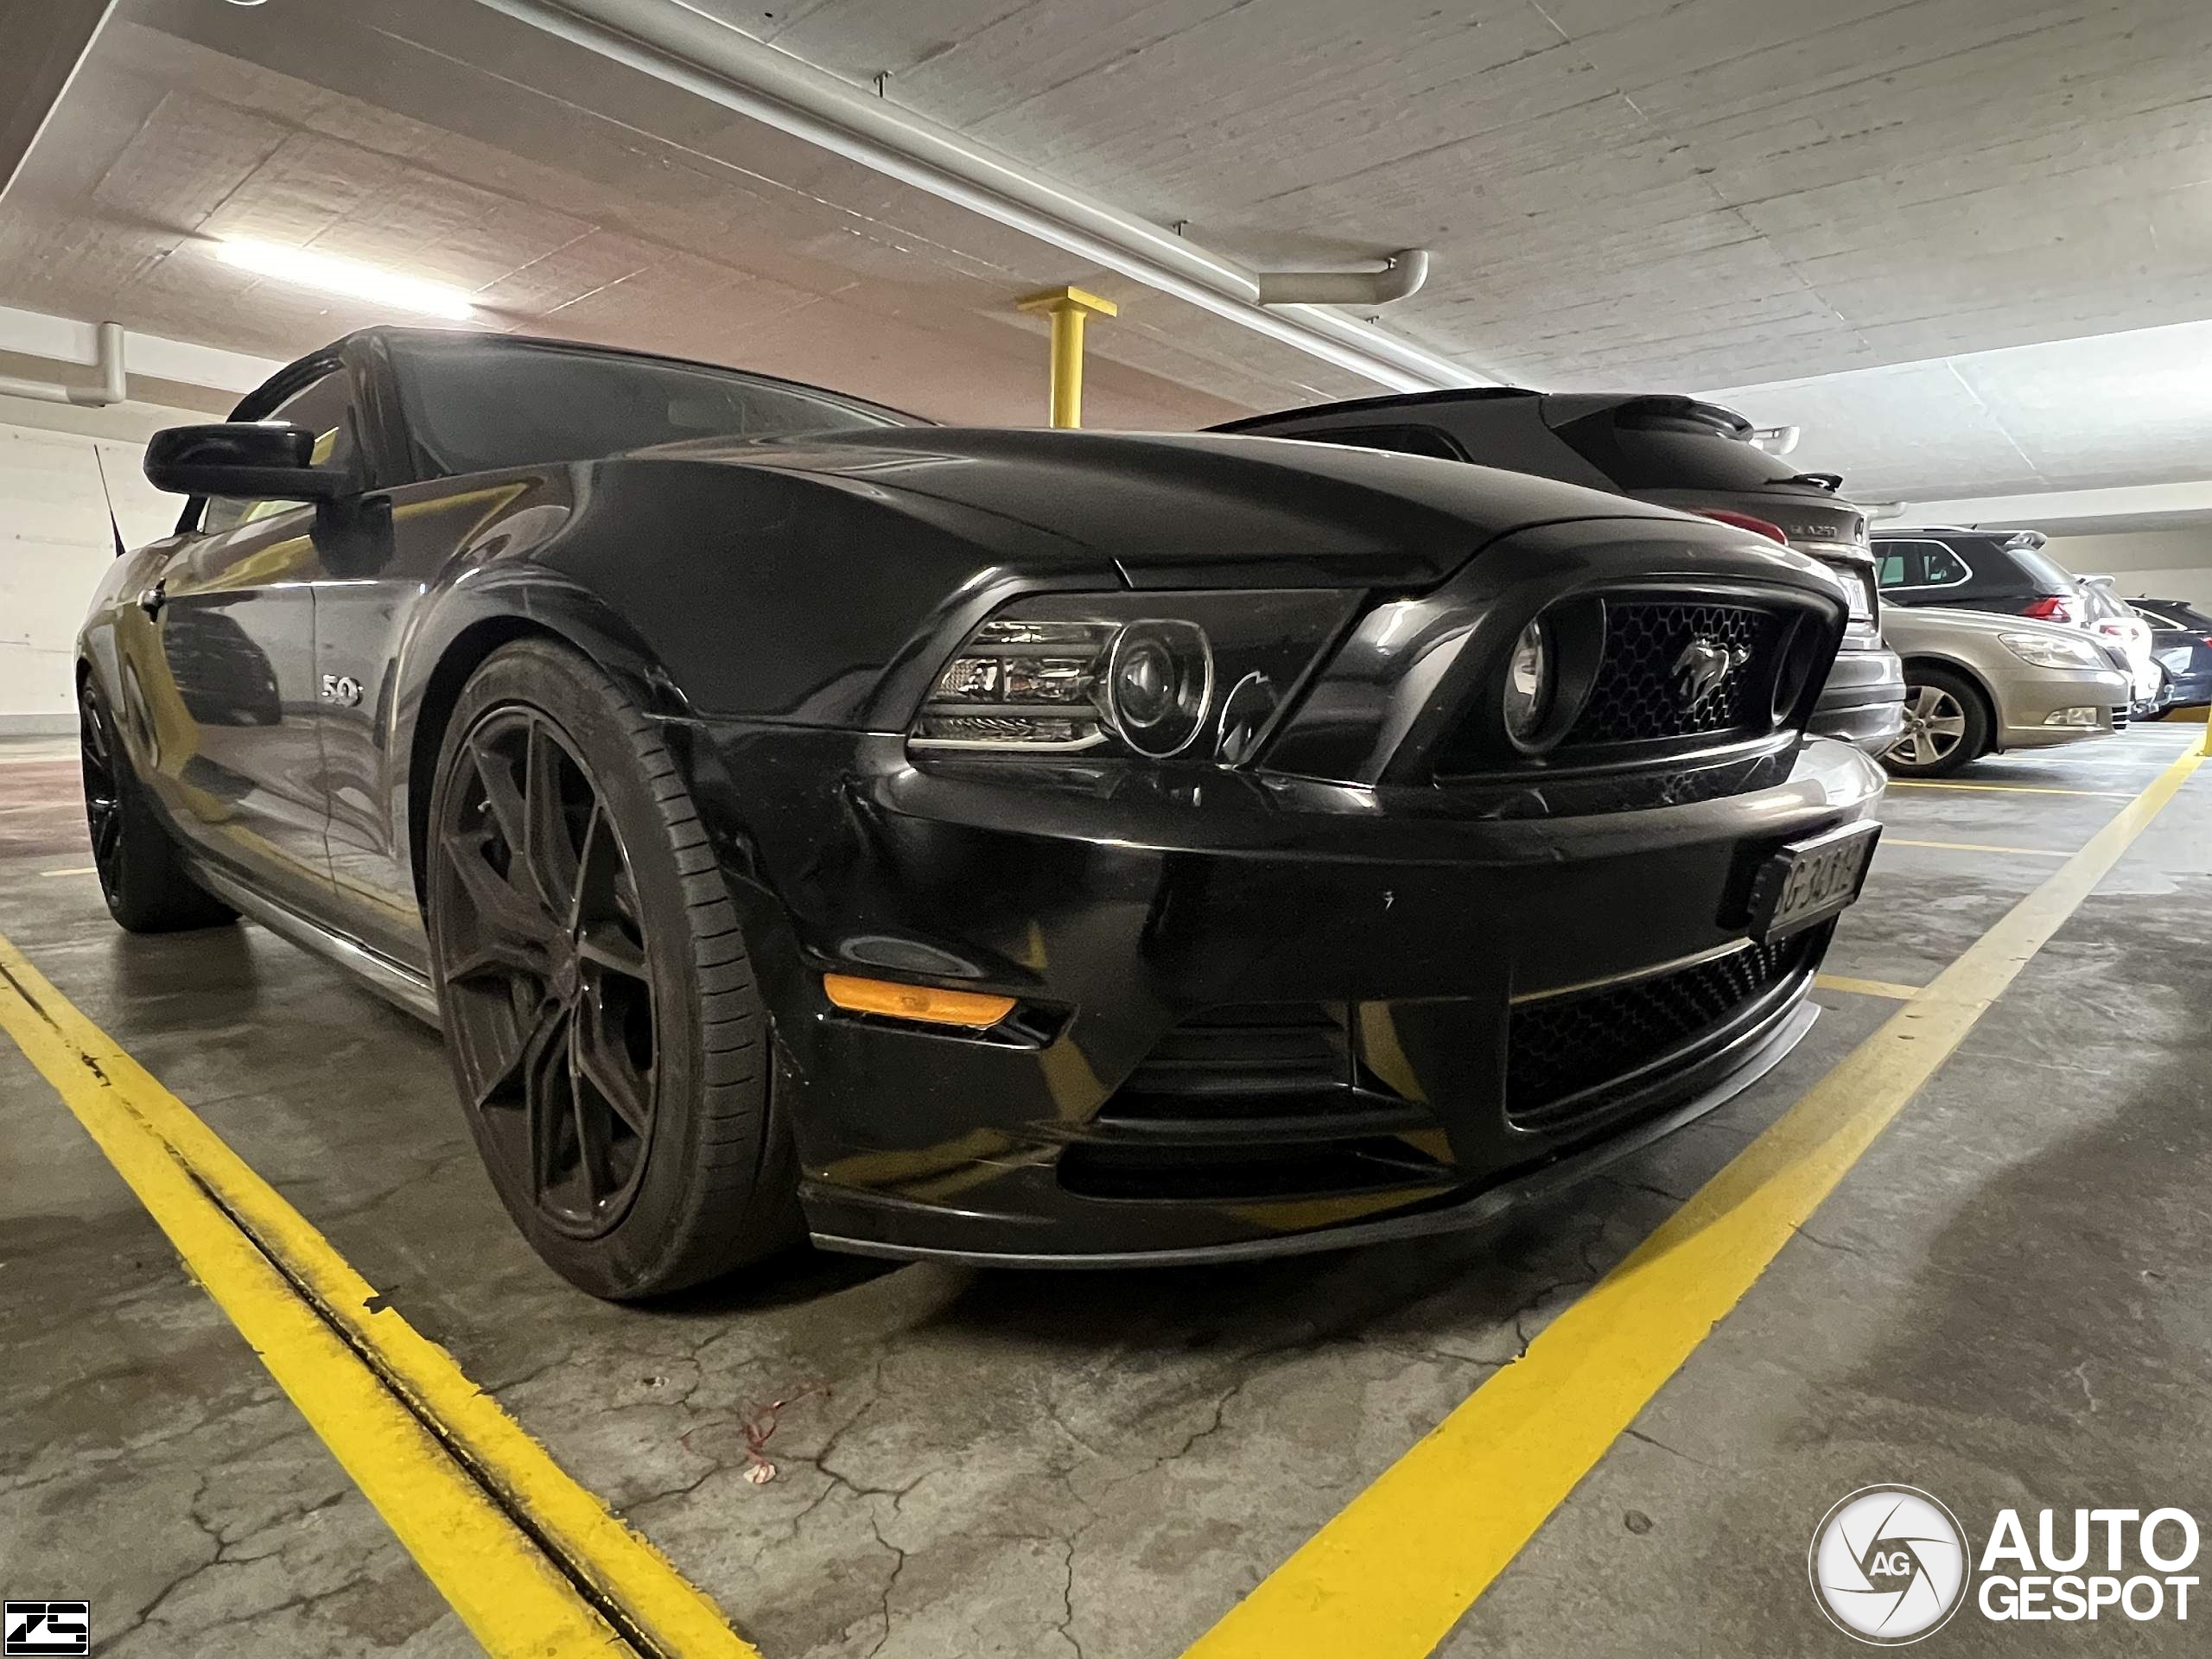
(1675, 451)
(1015, 846)
(2181, 641)
(2003, 570)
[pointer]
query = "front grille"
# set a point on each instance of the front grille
(1640, 695)
(1561, 1047)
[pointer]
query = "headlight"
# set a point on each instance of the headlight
(1186, 676)
(1159, 684)
(2049, 653)
(1529, 682)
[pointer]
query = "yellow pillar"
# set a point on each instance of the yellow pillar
(1068, 307)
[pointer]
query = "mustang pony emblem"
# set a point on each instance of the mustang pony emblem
(1703, 667)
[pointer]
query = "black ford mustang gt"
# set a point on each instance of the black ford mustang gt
(1012, 845)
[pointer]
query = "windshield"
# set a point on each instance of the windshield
(478, 405)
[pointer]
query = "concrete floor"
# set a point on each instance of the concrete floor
(2005, 1302)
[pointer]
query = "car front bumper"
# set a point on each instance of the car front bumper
(1862, 701)
(2028, 696)
(1255, 1014)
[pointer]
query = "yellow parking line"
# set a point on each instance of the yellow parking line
(535, 1565)
(1978, 847)
(2007, 789)
(1395, 1571)
(1889, 988)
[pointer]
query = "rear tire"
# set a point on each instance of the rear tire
(143, 874)
(1946, 724)
(607, 1036)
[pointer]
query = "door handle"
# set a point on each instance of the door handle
(153, 599)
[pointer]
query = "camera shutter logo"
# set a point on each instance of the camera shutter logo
(1888, 1565)
(46, 1627)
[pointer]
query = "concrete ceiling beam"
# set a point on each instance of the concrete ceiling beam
(44, 43)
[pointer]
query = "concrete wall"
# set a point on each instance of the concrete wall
(58, 468)
(2163, 563)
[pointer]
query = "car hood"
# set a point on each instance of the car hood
(1197, 509)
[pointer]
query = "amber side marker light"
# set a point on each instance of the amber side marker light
(923, 1002)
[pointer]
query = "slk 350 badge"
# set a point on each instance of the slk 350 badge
(341, 689)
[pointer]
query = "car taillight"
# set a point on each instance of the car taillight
(1745, 521)
(2050, 609)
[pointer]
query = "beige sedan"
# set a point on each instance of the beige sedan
(1978, 683)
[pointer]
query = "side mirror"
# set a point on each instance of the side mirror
(258, 460)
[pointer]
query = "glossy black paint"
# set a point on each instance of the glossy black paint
(1569, 437)
(782, 607)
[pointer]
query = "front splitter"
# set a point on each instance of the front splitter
(1481, 1209)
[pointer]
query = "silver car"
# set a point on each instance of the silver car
(1977, 684)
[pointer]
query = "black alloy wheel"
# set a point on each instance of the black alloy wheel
(541, 944)
(608, 1040)
(102, 804)
(142, 873)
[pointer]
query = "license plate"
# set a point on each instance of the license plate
(1810, 881)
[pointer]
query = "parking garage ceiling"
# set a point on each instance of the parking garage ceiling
(1787, 201)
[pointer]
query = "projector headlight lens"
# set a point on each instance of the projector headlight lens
(1158, 680)
(1529, 682)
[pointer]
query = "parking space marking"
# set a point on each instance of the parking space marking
(1883, 987)
(1978, 847)
(88, 869)
(2008, 788)
(1399, 1565)
(535, 1565)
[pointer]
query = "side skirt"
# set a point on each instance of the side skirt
(402, 986)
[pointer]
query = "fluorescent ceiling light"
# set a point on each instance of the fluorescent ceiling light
(334, 275)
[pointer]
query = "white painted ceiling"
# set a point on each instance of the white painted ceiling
(1702, 192)
(2133, 408)
(1966, 244)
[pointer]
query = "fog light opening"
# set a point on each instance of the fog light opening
(924, 1003)
(2075, 717)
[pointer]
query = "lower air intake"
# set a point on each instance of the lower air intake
(1561, 1049)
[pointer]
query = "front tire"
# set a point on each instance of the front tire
(607, 1036)
(143, 874)
(1945, 725)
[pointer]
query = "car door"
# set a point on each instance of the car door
(231, 689)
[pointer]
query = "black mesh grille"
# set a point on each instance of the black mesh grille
(1556, 1049)
(1642, 689)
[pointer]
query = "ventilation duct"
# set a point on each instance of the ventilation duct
(683, 48)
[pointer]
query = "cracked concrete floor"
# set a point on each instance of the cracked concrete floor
(970, 1463)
